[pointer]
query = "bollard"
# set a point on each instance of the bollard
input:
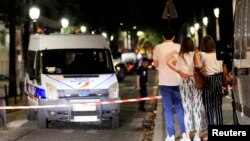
(2, 114)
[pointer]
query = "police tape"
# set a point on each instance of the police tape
(82, 103)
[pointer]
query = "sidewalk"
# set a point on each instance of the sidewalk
(160, 131)
(11, 101)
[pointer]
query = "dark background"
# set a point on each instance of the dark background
(109, 13)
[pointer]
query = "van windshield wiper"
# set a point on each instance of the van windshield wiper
(80, 75)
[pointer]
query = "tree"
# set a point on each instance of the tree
(12, 13)
(12, 64)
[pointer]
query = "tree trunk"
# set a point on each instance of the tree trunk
(26, 34)
(12, 56)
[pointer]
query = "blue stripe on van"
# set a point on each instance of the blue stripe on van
(36, 92)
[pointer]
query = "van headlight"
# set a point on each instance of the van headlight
(52, 92)
(114, 91)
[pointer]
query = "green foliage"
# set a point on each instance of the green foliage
(152, 36)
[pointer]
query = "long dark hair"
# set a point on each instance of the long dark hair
(187, 46)
(207, 44)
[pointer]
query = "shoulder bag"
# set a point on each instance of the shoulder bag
(200, 79)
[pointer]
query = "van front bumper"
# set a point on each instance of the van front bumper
(78, 110)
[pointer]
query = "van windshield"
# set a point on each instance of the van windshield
(77, 61)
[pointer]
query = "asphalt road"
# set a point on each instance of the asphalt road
(19, 129)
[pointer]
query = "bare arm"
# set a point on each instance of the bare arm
(197, 59)
(138, 81)
(172, 64)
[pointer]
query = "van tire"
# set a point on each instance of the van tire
(31, 114)
(115, 122)
(42, 120)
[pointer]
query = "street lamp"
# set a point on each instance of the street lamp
(196, 35)
(65, 24)
(216, 14)
(34, 14)
(192, 30)
(83, 29)
(204, 27)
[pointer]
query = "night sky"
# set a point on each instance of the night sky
(143, 13)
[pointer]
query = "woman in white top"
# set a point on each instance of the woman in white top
(213, 68)
(183, 64)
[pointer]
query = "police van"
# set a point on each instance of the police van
(72, 73)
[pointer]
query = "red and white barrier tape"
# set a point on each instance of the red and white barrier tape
(85, 103)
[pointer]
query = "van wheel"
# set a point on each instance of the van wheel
(115, 122)
(42, 120)
(31, 114)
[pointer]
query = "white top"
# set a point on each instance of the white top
(162, 53)
(186, 65)
(211, 64)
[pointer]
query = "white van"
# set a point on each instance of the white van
(71, 70)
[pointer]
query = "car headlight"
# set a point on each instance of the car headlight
(52, 92)
(114, 91)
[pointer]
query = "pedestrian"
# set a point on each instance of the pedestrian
(213, 68)
(183, 64)
(142, 82)
(168, 82)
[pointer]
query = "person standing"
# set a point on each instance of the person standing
(213, 68)
(142, 82)
(169, 83)
(183, 64)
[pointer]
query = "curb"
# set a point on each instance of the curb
(159, 129)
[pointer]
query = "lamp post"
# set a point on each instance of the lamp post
(204, 27)
(216, 14)
(196, 35)
(34, 14)
(65, 24)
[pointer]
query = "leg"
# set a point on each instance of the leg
(197, 111)
(218, 108)
(235, 119)
(177, 100)
(143, 93)
(217, 81)
(167, 105)
(208, 106)
(186, 102)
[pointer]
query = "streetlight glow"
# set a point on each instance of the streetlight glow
(104, 34)
(34, 13)
(192, 29)
(205, 21)
(204, 26)
(197, 26)
(83, 29)
(64, 22)
(216, 12)
(140, 33)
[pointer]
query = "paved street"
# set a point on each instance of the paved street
(19, 129)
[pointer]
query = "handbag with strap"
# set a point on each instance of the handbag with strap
(200, 79)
